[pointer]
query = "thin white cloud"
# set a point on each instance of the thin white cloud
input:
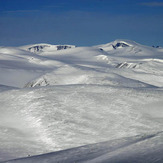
(56, 6)
(20, 11)
(153, 4)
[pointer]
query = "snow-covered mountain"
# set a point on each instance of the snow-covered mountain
(130, 49)
(39, 48)
(56, 97)
(81, 65)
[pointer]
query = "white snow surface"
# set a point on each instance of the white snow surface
(81, 104)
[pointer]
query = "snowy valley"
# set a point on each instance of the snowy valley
(62, 103)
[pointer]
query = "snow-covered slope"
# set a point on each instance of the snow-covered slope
(126, 150)
(17, 67)
(46, 119)
(110, 92)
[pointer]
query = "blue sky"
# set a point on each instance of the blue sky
(80, 22)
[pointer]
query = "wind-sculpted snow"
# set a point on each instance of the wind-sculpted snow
(35, 121)
(54, 100)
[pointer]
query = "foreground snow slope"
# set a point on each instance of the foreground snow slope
(92, 94)
(147, 148)
(35, 121)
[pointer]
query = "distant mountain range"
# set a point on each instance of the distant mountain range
(45, 64)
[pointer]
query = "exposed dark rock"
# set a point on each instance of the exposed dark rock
(60, 47)
(37, 48)
(120, 45)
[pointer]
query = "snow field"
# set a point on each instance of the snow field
(79, 96)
